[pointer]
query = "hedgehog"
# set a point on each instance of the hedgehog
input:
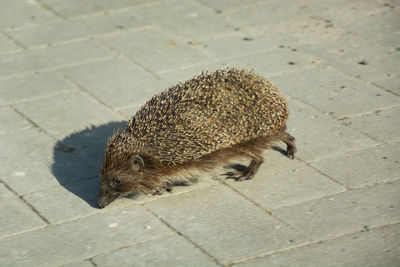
(195, 126)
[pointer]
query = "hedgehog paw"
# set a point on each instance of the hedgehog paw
(240, 175)
(161, 189)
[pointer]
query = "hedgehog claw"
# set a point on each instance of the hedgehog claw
(239, 175)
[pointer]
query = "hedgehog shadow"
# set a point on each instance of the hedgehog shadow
(77, 160)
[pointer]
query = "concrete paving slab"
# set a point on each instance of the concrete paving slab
(266, 13)
(79, 199)
(170, 250)
(20, 13)
(319, 136)
(64, 95)
(392, 84)
(27, 157)
(274, 62)
(130, 83)
(356, 56)
(11, 121)
(226, 5)
(69, 112)
(377, 247)
(188, 19)
(17, 217)
(7, 46)
(87, 144)
(281, 181)
(269, 63)
(374, 20)
(85, 263)
(156, 50)
(74, 8)
(33, 86)
(370, 166)
(382, 124)
(216, 218)
(244, 43)
(344, 213)
(82, 238)
(333, 92)
(56, 56)
(79, 28)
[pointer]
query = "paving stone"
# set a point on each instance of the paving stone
(268, 64)
(87, 144)
(344, 213)
(32, 86)
(181, 17)
(281, 181)
(68, 202)
(20, 13)
(52, 57)
(27, 157)
(271, 12)
(128, 84)
(274, 62)
(7, 46)
(377, 247)
(356, 56)
(72, 8)
(85, 263)
(370, 19)
(82, 238)
(16, 216)
(381, 124)
(165, 251)
(366, 167)
(131, 110)
(245, 43)
(223, 223)
(11, 121)
(172, 77)
(79, 28)
(69, 112)
(334, 92)
(319, 136)
(156, 50)
(392, 84)
(226, 5)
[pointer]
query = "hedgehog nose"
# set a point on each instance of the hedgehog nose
(105, 199)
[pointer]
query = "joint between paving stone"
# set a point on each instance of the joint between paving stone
(23, 73)
(123, 56)
(324, 174)
(46, 7)
(308, 243)
(269, 212)
(26, 203)
(15, 42)
(83, 90)
(32, 123)
(329, 115)
(383, 88)
(221, 263)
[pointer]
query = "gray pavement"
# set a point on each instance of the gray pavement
(72, 71)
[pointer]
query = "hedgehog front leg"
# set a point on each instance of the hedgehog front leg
(162, 188)
(247, 173)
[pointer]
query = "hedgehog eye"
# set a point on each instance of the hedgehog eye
(118, 181)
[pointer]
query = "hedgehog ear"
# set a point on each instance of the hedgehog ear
(137, 162)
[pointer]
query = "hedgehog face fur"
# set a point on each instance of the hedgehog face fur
(192, 126)
(120, 179)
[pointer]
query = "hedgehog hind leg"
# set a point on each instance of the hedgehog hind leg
(290, 144)
(247, 173)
